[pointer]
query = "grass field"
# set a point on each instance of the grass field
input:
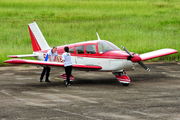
(139, 25)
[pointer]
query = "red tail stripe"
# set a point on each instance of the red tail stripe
(35, 44)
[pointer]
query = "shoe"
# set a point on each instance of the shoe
(47, 81)
(65, 82)
(40, 80)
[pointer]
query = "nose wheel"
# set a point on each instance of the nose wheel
(122, 78)
(125, 84)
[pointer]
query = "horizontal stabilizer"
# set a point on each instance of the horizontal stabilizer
(157, 53)
(45, 63)
(19, 56)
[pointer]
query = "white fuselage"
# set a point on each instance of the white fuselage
(107, 64)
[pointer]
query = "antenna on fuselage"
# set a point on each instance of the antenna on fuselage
(98, 36)
(65, 43)
(74, 38)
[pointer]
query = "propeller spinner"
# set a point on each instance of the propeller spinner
(136, 58)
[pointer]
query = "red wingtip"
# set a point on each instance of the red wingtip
(34, 20)
(15, 61)
(12, 56)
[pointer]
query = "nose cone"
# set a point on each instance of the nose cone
(124, 55)
(136, 58)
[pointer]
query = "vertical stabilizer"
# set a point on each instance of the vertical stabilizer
(38, 41)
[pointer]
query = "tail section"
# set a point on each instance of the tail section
(38, 41)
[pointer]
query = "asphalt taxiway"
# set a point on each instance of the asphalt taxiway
(151, 95)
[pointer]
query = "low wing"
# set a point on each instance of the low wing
(157, 53)
(18, 56)
(55, 64)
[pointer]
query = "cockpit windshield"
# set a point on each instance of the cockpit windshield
(114, 46)
(105, 46)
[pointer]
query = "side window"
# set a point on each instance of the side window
(100, 48)
(71, 50)
(79, 49)
(91, 49)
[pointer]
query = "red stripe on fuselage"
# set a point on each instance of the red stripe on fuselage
(114, 54)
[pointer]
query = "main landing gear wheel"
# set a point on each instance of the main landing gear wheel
(125, 84)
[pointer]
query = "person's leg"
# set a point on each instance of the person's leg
(70, 70)
(42, 74)
(68, 73)
(48, 69)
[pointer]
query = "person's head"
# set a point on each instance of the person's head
(66, 49)
(54, 49)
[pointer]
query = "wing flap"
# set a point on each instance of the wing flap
(157, 53)
(44, 63)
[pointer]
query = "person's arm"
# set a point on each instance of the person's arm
(57, 58)
(49, 58)
(62, 57)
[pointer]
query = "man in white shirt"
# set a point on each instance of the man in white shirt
(66, 58)
(51, 56)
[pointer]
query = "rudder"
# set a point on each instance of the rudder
(38, 41)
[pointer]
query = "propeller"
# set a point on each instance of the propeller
(127, 51)
(135, 58)
(143, 65)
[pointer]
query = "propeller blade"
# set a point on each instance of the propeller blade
(127, 51)
(137, 59)
(143, 65)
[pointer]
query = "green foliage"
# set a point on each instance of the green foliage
(139, 25)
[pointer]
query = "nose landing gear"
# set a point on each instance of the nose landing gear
(122, 78)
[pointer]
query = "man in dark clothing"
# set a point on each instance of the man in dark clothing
(50, 57)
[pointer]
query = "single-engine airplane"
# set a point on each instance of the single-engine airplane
(95, 55)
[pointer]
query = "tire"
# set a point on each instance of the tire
(125, 84)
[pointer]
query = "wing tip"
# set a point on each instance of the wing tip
(12, 56)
